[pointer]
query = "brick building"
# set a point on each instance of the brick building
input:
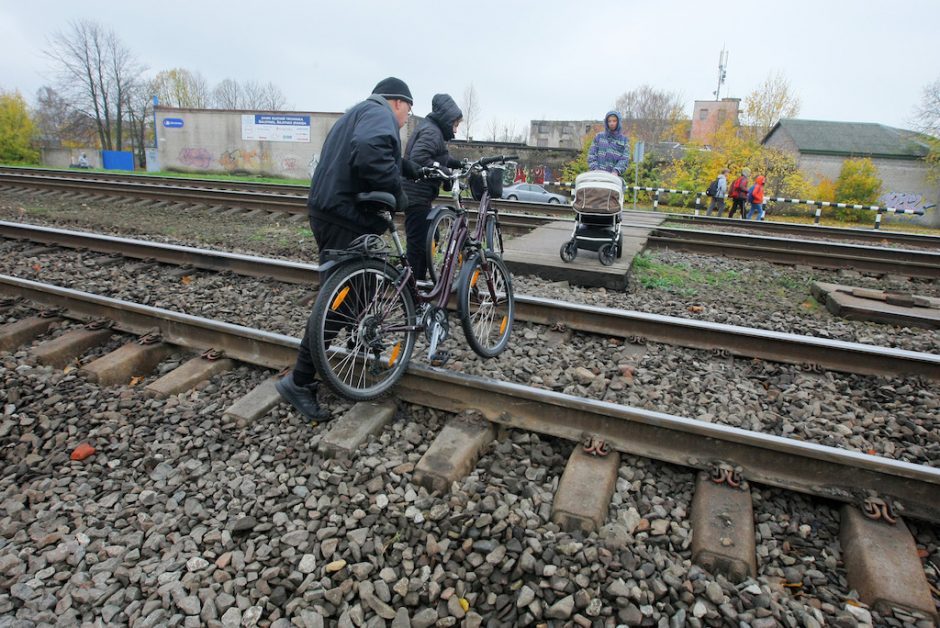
(709, 115)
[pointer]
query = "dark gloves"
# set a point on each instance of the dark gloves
(410, 170)
(453, 163)
(401, 201)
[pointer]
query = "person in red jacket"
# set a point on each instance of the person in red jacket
(738, 193)
(756, 196)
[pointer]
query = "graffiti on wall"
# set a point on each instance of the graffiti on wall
(903, 200)
(241, 159)
(196, 157)
(537, 174)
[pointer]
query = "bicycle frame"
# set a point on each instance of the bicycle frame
(459, 240)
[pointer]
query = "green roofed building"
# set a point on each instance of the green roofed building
(820, 147)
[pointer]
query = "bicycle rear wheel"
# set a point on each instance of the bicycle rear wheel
(438, 236)
(359, 340)
(486, 304)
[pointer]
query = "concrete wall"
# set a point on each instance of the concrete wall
(562, 133)
(532, 160)
(904, 184)
(65, 157)
(211, 141)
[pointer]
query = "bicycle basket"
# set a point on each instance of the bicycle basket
(494, 180)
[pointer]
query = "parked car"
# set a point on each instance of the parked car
(531, 193)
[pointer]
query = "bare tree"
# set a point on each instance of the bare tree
(181, 88)
(272, 98)
(227, 95)
(927, 114)
(772, 100)
(53, 116)
(95, 70)
(649, 113)
(470, 105)
(493, 129)
(139, 106)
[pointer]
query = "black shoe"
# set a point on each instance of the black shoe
(303, 398)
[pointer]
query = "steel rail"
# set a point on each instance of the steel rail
(816, 231)
(769, 345)
(220, 261)
(772, 460)
(907, 262)
(168, 192)
(546, 210)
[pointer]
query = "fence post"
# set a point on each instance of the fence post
(878, 220)
(818, 214)
(656, 201)
(698, 202)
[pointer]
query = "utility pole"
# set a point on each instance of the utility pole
(722, 74)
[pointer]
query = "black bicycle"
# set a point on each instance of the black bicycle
(370, 308)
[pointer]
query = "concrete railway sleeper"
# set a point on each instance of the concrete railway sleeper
(879, 553)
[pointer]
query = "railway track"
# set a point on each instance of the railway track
(519, 215)
(887, 488)
(740, 341)
(627, 430)
(919, 262)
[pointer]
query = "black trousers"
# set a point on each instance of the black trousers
(416, 229)
(328, 236)
(736, 205)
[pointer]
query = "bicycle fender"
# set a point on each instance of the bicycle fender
(432, 214)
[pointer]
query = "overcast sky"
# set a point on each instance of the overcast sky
(860, 60)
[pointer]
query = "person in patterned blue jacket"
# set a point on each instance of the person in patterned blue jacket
(610, 150)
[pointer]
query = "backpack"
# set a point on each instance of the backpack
(750, 194)
(712, 189)
(737, 187)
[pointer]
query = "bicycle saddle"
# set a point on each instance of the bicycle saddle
(376, 201)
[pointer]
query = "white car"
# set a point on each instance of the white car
(531, 193)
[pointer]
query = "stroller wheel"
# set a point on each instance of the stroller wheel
(607, 254)
(569, 250)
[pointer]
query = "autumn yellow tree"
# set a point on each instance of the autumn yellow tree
(772, 100)
(16, 130)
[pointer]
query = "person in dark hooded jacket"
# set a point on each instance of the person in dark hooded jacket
(427, 146)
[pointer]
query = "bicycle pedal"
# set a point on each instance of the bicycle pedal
(440, 358)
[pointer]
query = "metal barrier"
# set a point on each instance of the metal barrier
(770, 199)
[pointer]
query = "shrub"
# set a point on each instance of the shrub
(16, 130)
(858, 184)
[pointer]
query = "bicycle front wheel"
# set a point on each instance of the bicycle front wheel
(438, 236)
(359, 338)
(486, 304)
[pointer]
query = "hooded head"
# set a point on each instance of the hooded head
(607, 117)
(759, 180)
(444, 112)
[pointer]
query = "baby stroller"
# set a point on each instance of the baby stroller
(598, 207)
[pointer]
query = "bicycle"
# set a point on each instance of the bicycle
(370, 308)
(483, 187)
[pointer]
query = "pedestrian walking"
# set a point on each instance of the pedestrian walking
(739, 193)
(717, 192)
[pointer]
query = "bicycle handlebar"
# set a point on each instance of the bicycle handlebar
(492, 160)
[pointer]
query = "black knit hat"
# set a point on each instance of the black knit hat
(393, 89)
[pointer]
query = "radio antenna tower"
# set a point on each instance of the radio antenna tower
(722, 74)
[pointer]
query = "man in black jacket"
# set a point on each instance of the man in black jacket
(362, 153)
(427, 146)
